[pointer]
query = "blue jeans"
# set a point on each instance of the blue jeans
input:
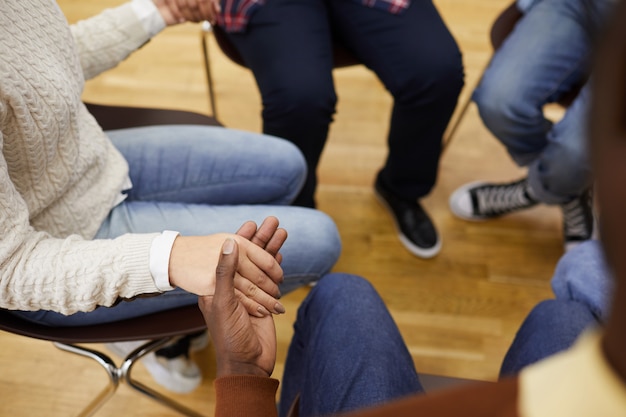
(201, 180)
(583, 275)
(346, 352)
(548, 53)
(582, 285)
(551, 327)
(288, 45)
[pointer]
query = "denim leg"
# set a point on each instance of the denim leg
(195, 180)
(209, 165)
(583, 275)
(230, 177)
(547, 53)
(551, 327)
(415, 56)
(562, 171)
(346, 353)
(288, 47)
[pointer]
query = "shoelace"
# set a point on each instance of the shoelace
(499, 199)
(576, 218)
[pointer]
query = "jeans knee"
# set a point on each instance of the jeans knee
(564, 171)
(503, 108)
(324, 239)
(567, 316)
(494, 107)
(292, 161)
(341, 290)
(546, 310)
(574, 153)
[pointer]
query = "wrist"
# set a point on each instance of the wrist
(160, 254)
(149, 15)
(230, 368)
(166, 13)
(181, 258)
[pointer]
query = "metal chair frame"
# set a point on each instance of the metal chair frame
(159, 328)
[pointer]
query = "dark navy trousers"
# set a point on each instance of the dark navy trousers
(288, 45)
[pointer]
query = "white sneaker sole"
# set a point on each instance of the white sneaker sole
(459, 211)
(175, 382)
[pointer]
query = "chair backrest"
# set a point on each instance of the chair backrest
(503, 25)
(342, 57)
(174, 322)
(120, 117)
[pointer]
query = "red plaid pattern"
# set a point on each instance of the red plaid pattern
(236, 13)
(392, 6)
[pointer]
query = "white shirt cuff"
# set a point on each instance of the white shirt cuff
(160, 259)
(149, 16)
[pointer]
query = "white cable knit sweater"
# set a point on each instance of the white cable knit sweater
(59, 173)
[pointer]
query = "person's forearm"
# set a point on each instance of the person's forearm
(108, 38)
(244, 395)
(86, 273)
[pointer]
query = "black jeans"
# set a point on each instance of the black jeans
(288, 46)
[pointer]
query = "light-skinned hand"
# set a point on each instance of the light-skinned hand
(193, 260)
(244, 344)
(269, 236)
(180, 11)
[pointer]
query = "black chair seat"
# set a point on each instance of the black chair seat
(175, 322)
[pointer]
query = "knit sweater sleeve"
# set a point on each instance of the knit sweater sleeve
(66, 275)
(105, 40)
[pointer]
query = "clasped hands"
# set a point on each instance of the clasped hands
(257, 272)
(180, 11)
(245, 344)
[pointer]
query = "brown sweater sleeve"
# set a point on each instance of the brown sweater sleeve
(238, 396)
(255, 396)
(473, 400)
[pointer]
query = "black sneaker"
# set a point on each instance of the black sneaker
(415, 229)
(578, 220)
(482, 200)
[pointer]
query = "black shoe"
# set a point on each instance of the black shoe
(415, 229)
(578, 220)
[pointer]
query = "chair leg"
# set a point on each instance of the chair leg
(125, 375)
(461, 114)
(206, 30)
(108, 365)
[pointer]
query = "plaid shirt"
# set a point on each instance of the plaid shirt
(236, 13)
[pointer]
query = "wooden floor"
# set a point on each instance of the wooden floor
(457, 312)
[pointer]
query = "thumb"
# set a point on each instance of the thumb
(225, 270)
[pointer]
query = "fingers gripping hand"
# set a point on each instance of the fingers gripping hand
(192, 267)
(244, 344)
(256, 279)
(179, 11)
(269, 236)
